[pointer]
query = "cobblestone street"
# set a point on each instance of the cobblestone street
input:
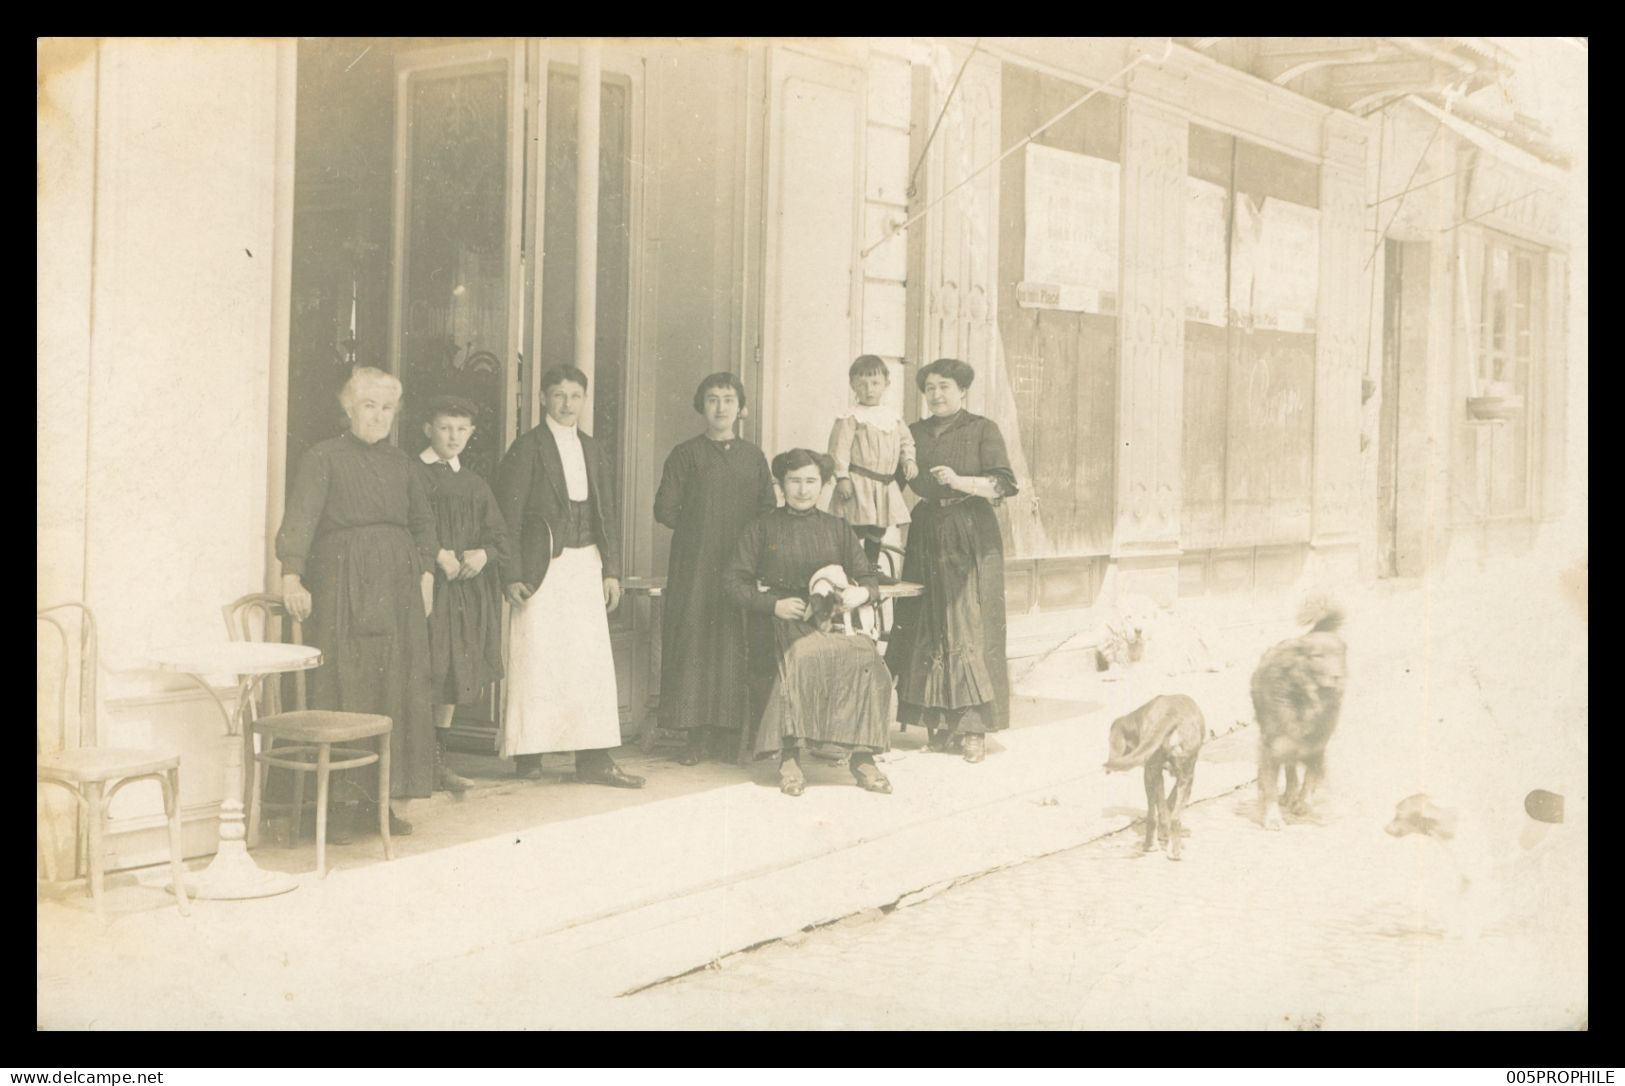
(1329, 924)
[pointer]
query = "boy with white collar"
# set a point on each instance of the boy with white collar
(465, 627)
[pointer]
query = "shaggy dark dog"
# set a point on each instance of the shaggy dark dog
(1297, 695)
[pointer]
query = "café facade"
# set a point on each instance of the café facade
(1161, 256)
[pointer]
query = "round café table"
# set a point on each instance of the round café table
(232, 874)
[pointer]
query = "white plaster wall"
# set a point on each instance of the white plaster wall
(157, 202)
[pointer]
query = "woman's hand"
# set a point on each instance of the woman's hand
(295, 596)
(946, 476)
(910, 469)
(427, 583)
(612, 594)
(516, 593)
(854, 596)
(473, 563)
(792, 609)
(843, 488)
(447, 561)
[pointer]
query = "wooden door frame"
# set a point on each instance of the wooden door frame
(636, 415)
(777, 60)
(468, 58)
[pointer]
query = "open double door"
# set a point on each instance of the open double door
(730, 198)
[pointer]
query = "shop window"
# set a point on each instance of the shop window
(1058, 312)
(1251, 287)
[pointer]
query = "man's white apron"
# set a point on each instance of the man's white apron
(561, 674)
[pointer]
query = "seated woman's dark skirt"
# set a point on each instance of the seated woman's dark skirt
(830, 688)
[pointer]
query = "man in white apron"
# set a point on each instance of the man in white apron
(563, 579)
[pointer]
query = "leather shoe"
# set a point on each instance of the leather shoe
(975, 748)
(693, 751)
(871, 779)
(791, 782)
(528, 767)
(611, 775)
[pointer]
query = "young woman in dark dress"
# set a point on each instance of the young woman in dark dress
(948, 646)
(714, 485)
(356, 546)
(806, 684)
(465, 626)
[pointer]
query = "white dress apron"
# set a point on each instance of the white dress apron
(561, 674)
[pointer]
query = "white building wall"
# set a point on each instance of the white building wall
(158, 175)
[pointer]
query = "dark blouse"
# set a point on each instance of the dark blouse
(970, 444)
(783, 549)
(707, 484)
(344, 483)
(465, 512)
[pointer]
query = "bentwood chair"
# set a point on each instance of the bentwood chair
(94, 774)
(312, 738)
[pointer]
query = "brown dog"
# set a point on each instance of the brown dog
(1297, 696)
(1164, 735)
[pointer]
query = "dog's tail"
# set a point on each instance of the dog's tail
(1150, 740)
(1321, 614)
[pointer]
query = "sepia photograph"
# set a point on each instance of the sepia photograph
(812, 533)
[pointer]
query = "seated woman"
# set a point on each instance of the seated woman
(808, 684)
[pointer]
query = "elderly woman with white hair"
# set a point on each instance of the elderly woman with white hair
(357, 548)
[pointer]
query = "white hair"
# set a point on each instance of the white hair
(366, 375)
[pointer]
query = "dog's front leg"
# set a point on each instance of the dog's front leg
(1183, 783)
(1314, 769)
(1289, 797)
(1153, 802)
(1156, 800)
(1269, 809)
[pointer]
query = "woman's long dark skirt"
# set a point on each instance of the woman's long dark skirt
(367, 618)
(948, 647)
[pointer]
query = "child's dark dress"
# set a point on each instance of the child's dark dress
(465, 628)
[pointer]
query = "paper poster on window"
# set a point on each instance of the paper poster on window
(1071, 232)
(1287, 268)
(1206, 220)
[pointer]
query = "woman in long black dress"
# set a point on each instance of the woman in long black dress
(713, 486)
(808, 685)
(948, 647)
(359, 529)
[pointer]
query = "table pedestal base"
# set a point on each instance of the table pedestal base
(232, 876)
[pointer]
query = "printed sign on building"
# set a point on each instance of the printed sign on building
(1071, 232)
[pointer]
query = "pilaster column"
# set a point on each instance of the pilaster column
(1150, 393)
(1338, 354)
